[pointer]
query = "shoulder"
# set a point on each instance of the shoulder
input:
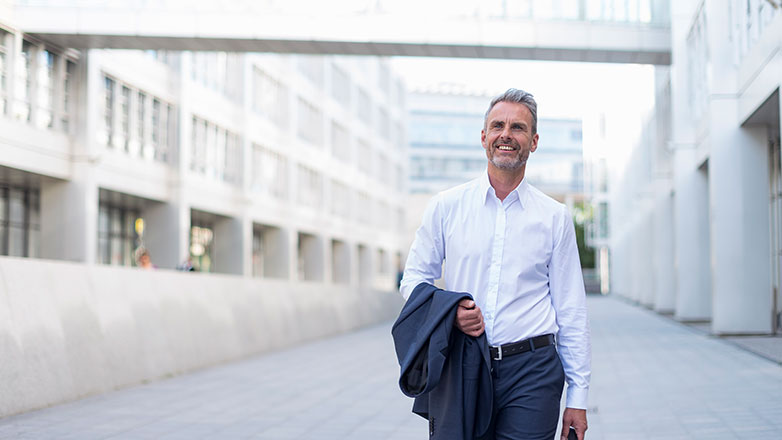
(458, 194)
(545, 203)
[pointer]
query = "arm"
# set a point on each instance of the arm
(566, 285)
(424, 262)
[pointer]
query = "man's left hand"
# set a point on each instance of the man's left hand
(577, 418)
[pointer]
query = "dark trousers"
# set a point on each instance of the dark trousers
(527, 392)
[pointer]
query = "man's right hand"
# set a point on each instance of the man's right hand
(469, 318)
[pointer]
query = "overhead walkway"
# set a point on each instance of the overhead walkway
(652, 378)
(614, 31)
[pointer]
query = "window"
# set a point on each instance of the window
(124, 117)
(311, 66)
(310, 187)
(20, 222)
(117, 237)
(384, 78)
(269, 172)
(155, 127)
(67, 95)
(201, 243)
(24, 83)
(270, 98)
(340, 199)
(141, 122)
(4, 56)
(340, 142)
(215, 152)
(364, 107)
(383, 123)
(45, 94)
(364, 156)
(340, 86)
(108, 110)
(310, 122)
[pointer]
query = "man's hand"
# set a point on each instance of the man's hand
(576, 418)
(469, 318)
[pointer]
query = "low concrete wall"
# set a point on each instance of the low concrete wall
(70, 330)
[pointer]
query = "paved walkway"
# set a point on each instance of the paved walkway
(652, 379)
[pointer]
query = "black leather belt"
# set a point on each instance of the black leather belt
(497, 353)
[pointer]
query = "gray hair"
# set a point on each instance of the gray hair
(519, 97)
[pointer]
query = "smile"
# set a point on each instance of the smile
(505, 148)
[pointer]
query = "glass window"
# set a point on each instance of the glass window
(312, 68)
(141, 120)
(67, 95)
(45, 83)
(201, 239)
(108, 110)
(364, 107)
(310, 122)
(117, 237)
(19, 221)
(269, 172)
(340, 142)
(155, 125)
(258, 252)
(124, 114)
(270, 98)
(4, 42)
(24, 83)
(340, 86)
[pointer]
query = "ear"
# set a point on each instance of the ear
(483, 139)
(534, 143)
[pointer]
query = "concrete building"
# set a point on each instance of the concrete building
(696, 218)
(254, 165)
(279, 177)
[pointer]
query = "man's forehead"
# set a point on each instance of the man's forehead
(510, 110)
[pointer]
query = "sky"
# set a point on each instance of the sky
(622, 92)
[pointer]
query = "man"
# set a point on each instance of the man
(514, 250)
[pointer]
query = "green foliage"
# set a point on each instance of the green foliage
(581, 214)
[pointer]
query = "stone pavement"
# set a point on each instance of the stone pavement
(652, 379)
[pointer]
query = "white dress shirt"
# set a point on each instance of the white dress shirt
(518, 258)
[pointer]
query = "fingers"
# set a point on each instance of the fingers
(469, 318)
(467, 304)
(565, 431)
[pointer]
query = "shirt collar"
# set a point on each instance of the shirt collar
(487, 190)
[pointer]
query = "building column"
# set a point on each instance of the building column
(232, 245)
(739, 187)
(739, 197)
(664, 271)
(167, 233)
(691, 244)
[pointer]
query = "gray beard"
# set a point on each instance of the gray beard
(509, 166)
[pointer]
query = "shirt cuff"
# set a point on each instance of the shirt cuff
(577, 397)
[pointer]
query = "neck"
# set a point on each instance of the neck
(505, 181)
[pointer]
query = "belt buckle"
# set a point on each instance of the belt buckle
(499, 354)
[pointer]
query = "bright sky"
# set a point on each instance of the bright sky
(623, 92)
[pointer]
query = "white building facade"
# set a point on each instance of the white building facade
(696, 219)
(272, 166)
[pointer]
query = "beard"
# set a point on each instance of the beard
(509, 163)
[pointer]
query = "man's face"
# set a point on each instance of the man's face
(507, 137)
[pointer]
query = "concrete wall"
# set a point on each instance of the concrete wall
(70, 330)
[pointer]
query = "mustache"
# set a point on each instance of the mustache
(512, 143)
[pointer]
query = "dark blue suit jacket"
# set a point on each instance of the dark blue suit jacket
(447, 372)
